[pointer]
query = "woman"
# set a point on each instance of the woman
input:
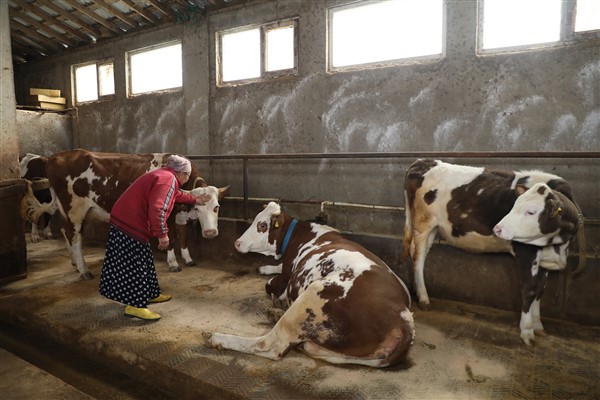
(128, 273)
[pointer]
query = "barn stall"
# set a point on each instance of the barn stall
(299, 139)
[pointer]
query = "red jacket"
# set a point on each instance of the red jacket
(143, 209)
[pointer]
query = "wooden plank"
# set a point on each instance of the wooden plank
(45, 92)
(71, 16)
(40, 98)
(91, 14)
(56, 19)
(45, 28)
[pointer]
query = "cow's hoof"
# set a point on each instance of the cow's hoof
(206, 336)
(528, 337)
(191, 263)
(176, 268)
(274, 315)
(86, 276)
(425, 306)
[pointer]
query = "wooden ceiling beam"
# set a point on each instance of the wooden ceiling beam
(40, 26)
(86, 10)
(160, 7)
(24, 40)
(34, 35)
(140, 11)
(118, 14)
(71, 16)
(55, 20)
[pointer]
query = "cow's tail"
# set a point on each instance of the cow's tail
(32, 209)
(408, 230)
(581, 246)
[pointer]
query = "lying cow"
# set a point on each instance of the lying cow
(346, 305)
(85, 182)
(463, 205)
(33, 168)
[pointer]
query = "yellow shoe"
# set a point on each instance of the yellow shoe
(161, 299)
(142, 313)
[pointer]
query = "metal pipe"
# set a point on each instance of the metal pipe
(405, 154)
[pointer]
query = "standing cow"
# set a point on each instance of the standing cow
(33, 168)
(463, 204)
(85, 182)
(345, 304)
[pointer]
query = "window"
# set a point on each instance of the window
(259, 52)
(155, 68)
(93, 81)
(512, 23)
(506, 25)
(587, 15)
(385, 31)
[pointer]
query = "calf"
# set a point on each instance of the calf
(85, 182)
(33, 168)
(345, 304)
(463, 205)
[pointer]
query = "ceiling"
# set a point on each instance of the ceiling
(41, 28)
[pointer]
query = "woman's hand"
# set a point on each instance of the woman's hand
(163, 242)
(202, 199)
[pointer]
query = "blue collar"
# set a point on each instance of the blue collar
(288, 234)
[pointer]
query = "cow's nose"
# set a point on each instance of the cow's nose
(498, 231)
(210, 233)
(237, 245)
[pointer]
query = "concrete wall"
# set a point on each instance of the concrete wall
(43, 133)
(543, 100)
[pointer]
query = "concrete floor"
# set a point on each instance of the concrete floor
(461, 351)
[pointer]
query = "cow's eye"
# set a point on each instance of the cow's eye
(262, 227)
(529, 212)
(216, 210)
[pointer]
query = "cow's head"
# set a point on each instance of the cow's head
(208, 214)
(256, 237)
(540, 216)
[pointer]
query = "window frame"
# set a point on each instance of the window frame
(431, 58)
(567, 33)
(128, 74)
(98, 64)
(264, 74)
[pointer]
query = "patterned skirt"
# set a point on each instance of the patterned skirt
(128, 274)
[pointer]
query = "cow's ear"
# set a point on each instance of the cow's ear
(553, 208)
(277, 220)
(224, 191)
(520, 189)
(199, 182)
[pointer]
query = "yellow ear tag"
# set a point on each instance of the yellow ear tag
(276, 224)
(558, 210)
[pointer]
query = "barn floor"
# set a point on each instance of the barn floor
(460, 352)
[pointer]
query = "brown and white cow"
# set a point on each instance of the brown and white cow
(463, 204)
(33, 168)
(89, 183)
(345, 304)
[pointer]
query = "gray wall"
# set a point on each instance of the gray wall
(543, 100)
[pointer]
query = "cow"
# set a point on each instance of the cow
(33, 168)
(463, 204)
(346, 306)
(84, 182)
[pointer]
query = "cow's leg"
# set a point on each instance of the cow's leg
(72, 234)
(422, 243)
(172, 260)
(532, 280)
(270, 269)
(286, 333)
(35, 233)
(46, 224)
(182, 231)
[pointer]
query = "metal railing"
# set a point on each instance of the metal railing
(245, 158)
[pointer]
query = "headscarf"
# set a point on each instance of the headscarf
(179, 164)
